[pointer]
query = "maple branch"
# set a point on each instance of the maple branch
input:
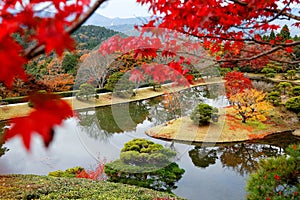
(40, 49)
(253, 57)
(277, 11)
(284, 13)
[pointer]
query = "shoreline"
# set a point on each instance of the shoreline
(21, 109)
(183, 129)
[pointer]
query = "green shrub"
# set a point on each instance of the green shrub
(85, 91)
(224, 71)
(267, 70)
(284, 87)
(293, 104)
(276, 178)
(274, 98)
(145, 164)
(270, 75)
(119, 84)
(291, 74)
(295, 91)
(70, 173)
(203, 113)
(13, 100)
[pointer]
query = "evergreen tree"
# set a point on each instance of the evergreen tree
(285, 33)
(272, 35)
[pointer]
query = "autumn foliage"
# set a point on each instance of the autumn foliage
(251, 104)
(222, 27)
(236, 83)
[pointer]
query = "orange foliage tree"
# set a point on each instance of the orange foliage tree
(251, 104)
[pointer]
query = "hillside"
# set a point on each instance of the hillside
(88, 37)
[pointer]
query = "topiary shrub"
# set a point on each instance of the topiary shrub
(270, 75)
(276, 178)
(145, 164)
(284, 87)
(274, 98)
(203, 113)
(291, 74)
(293, 104)
(86, 91)
(70, 173)
(121, 86)
(295, 91)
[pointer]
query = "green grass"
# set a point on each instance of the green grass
(43, 187)
(257, 125)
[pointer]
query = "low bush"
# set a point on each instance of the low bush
(274, 98)
(203, 113)
(145, 164)
(293, 104)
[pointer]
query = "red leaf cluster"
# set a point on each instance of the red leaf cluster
(49, 111)
(36, 27)
(236, 82)
(222, 22)
(97, 174)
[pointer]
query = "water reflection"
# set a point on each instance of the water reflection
(243, 158)
(203, 157)
(2, 149)
(214, 172)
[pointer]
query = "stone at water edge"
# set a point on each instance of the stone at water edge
(296, 132)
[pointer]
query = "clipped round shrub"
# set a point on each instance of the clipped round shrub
(145, 164)
(274, 98)
(145, 152)
(203, 113)
(293, 104)
(70, 173)
(85, 91)
(295, 91)
(120, 84)
(270, 75)
(268, 70)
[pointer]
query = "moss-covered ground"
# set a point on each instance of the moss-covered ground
(44, 187)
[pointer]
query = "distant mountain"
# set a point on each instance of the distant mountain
(124, 25)
(100, 20)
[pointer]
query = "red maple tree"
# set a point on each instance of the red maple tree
(236, 82)
(220, 25)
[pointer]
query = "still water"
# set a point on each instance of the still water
(211, 171)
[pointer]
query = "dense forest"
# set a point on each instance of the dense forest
(89, 37)
(58, 74)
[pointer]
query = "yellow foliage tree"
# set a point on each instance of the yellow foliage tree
(251, 104)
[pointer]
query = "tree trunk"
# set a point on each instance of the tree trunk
(243, 119)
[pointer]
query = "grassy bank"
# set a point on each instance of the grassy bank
(43, 187)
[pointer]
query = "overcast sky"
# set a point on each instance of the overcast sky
(122, 9)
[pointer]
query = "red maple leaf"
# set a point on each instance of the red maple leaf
(11, 61)
(49, 111)
(52, 34)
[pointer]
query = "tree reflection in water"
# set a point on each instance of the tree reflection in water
(101, 123)
(203, 157)
(2, 149)
(242, 158)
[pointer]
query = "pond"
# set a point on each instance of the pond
(211, 171)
